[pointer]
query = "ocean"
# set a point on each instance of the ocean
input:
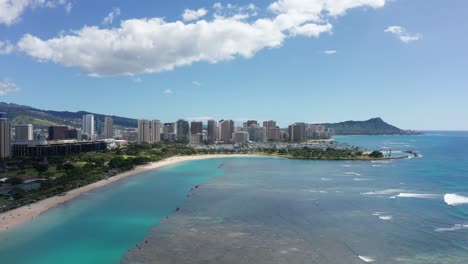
(268, 210)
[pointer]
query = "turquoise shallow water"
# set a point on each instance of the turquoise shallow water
(262, 210)
(100, 226)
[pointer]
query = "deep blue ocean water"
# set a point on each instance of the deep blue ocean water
(268, 210)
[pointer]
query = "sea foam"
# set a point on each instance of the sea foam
(383, 192)
(452, 228)
(366, 258)
(455, 199)
(361, 179)
(352, 173)
(417, 195)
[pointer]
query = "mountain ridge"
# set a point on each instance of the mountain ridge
(44, 118)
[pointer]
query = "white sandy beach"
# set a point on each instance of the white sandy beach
(25, 213)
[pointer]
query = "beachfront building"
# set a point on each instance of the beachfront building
(196, 139)
(297, 132)
(5, 136)
(257, 133)
(268, 125)
(24, 132)
(274, 134)
(212, 131)
(88, 126)
(108, 130)
(182, 130)
(196, 127)
(169, 132)
(240, 137)
(155, 131)
(144, 131)
(226, 128)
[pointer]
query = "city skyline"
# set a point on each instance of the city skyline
(366, 59)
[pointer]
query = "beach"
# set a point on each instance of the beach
(26, 213)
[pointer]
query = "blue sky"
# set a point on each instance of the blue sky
(288, 60)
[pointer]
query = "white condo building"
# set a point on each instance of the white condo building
(156, 131)
(88, 126)
(108, 127)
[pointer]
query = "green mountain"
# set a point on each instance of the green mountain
(374, 126)
(43, 118)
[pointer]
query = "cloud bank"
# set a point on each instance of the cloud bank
(151, 45)
(11, 10)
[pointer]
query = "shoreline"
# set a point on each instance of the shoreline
(26, 213)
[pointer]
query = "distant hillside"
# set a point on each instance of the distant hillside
(44, 118)
(374, 126)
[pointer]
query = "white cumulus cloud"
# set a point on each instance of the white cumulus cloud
(196, 83)
(7, 87)
(151, 45)
(109, 19)
(168, 91)
(190, 15)
(402, 34)
(11, 10)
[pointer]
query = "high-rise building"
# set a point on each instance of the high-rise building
(226, 128)
(169, 131)
(108, 131)
(196, 127)
(267, 125)
(58, 132)
(182, 130)
(196, 138)
(240, 137)
(88, 126)
(250, 123)
(297, 132)
(155, 131)
(212, 131)
(99, 129)
(144, 131)
(5, 136)
(24, 132)
(274, 134)
(257, 133)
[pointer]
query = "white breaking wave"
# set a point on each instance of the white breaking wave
(315, 191)
(361, 179)
(352, 173)
(383, 216)
(452, 228)
(417, 195)
(386, 217)
(366, 258)
(326, 179)
(384, 192)
(455, 199)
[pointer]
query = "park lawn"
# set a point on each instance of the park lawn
(80, 164)
(4, 202)
(27, 172)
